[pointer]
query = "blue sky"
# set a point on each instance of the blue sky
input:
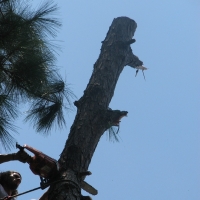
(158, 156)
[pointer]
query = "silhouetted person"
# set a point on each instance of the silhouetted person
(10, 180)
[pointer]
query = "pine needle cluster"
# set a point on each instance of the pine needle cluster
(27, 68)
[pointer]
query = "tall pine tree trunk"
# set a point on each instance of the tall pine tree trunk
(94, 116)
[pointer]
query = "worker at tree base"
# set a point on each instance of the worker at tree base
(10, 180)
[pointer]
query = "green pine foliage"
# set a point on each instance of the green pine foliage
(27, 68)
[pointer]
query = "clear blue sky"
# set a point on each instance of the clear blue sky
(158, 156)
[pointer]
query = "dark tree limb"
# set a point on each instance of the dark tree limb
(93, 113)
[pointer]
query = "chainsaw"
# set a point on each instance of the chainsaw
(47, 167)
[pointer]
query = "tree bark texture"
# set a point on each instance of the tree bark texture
(94, 116)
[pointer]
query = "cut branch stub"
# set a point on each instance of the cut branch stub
(115, 116)
(132, 60)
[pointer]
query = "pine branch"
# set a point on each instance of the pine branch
(43, 115)
(6, 139)
(27, 66)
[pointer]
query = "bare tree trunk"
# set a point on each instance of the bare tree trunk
(94, 116)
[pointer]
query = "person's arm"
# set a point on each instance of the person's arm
(21, 156)
(6, 157)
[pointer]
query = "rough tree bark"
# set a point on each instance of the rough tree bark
(94, 116)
